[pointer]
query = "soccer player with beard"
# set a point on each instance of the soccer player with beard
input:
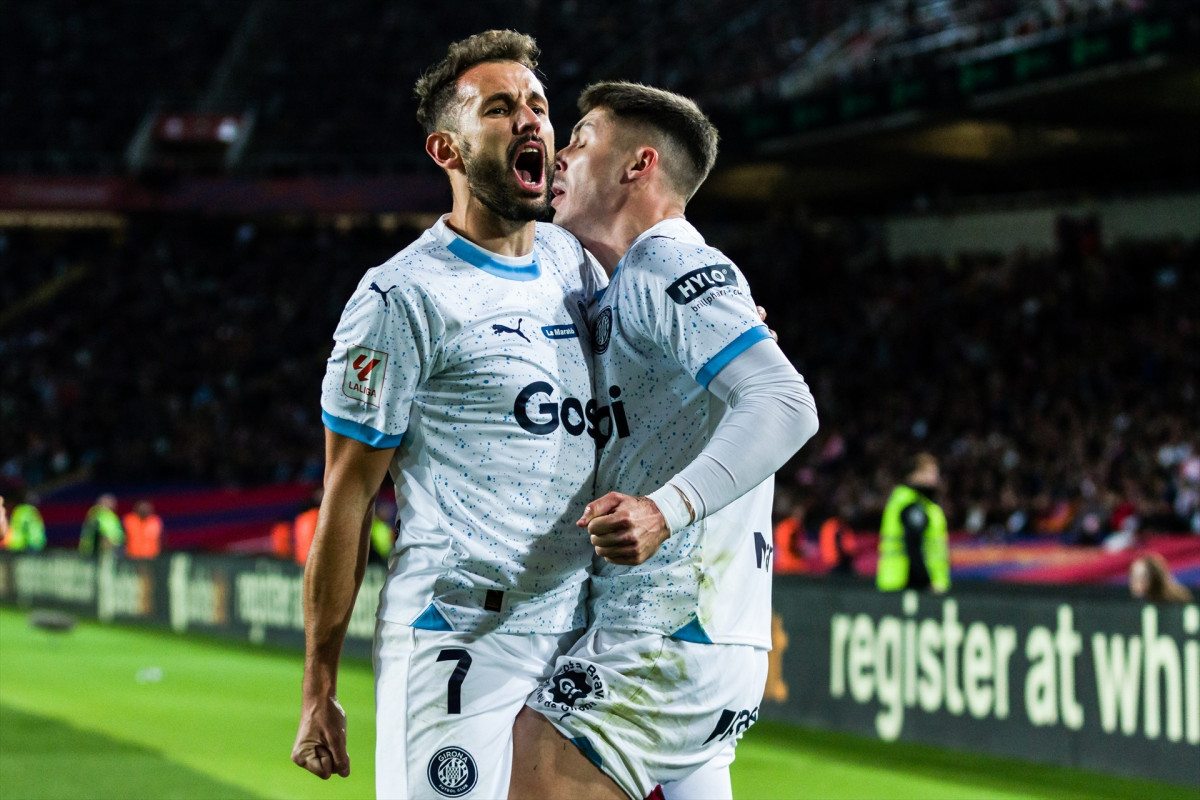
(671, 669)
(459, 369)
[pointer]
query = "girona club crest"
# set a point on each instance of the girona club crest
(452, 772)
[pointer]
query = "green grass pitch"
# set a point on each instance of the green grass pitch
(111, 712)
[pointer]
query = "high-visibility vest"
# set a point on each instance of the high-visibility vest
(305, 528)
(383, 537)
(788, 536)
(893, 569)
(100, 522)
(143, 536)
(26, 530)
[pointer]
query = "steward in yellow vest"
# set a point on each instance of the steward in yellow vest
(26, 530)
(102, 530)
(914, 551)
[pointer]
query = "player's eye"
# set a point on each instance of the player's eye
(496, 111)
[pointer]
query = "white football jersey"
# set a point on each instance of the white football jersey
(674, 313)
(474, 365)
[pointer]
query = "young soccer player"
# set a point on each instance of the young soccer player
(672, 667)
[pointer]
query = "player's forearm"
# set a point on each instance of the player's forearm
(332, 576)
(338, 557)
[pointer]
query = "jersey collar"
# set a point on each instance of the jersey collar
(676, 228)
(520, 268)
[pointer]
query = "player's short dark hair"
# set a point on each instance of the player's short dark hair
(686, 134)
(437, 87)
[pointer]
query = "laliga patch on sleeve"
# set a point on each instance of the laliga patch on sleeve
(365, 372)
(688, 288)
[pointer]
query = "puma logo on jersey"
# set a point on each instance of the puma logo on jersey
(733, 723)
(499, 329)
(374, 287)
(699, 281)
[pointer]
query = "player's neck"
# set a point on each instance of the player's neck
(477, 223)
(610, 242)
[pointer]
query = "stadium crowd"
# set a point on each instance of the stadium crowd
(330, 84)
(1058, 389)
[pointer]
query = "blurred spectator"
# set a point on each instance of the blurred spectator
(281, 538)
(1150, 579)
(26, 530)
(3, 526)
(838, 546)
(143, 531)
(913, 544)
(788, 537)
(102, 531)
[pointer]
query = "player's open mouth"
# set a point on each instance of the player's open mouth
(529, 165)
(556, 191)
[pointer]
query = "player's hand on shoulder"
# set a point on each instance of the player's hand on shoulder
(624, 529)
(320, 744)
(762, 315)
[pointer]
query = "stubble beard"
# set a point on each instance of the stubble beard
(490, 181)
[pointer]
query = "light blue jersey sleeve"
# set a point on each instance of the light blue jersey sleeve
(694, 302)
(384, 348)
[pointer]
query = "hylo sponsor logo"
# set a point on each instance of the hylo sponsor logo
(699, 281)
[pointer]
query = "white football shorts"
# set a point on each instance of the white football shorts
(445, 703)
(649, 709)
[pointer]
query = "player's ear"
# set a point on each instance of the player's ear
(442, 148)
(642, 164)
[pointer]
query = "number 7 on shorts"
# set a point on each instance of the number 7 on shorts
(454, 688)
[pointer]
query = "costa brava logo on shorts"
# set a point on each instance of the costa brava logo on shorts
(452, 772)
(574, 686)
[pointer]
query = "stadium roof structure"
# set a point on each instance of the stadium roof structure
(1109, 108)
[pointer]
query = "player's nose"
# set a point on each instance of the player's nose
(526, 120)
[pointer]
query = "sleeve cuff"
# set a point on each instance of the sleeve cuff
(671, 505)
(362, 433)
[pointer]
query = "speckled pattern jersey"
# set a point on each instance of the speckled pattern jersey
(477, 367)
(674, 313)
